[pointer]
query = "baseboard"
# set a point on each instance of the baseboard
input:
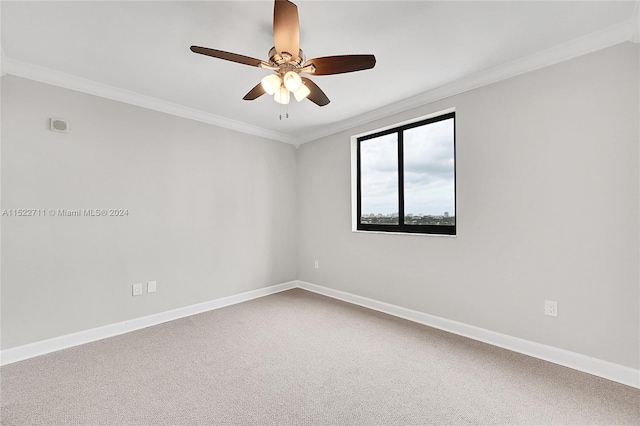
(605, 369)
(31, 350)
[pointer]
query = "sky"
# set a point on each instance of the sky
(428, 171)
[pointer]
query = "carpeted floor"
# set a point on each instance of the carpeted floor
(297, 358)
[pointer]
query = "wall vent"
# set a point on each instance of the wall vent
(58, 125)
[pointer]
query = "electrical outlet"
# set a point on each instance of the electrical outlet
(137, 289)
(151, 286)
(551, 308)
(315, 265)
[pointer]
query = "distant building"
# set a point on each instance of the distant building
(446, 214)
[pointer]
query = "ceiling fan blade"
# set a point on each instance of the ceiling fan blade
(254, 93)
(341, 64)
(227, 56)
(286, 28)
(316, 96)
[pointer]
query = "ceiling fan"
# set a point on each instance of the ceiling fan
(288, 61)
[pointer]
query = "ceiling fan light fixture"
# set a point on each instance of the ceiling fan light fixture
(292, 81)
(271, 83)
(282, 96)
(302, 92)
(289, 61)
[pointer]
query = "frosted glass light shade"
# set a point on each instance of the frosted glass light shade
(282, 96)
(292, 81)
(302, 92)
(271, 83)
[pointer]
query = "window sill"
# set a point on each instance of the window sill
(413, 234)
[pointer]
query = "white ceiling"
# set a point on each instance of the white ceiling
(138, 52)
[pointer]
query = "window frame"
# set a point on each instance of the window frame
(401, 227)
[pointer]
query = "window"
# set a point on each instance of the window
(406, 178)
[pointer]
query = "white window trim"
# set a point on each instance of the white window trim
(354, 175)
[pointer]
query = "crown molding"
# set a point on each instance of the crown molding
(45, 75)
(608, 37)
(616, 34)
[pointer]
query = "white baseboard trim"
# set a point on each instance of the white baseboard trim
(31, 350)
(605, 369)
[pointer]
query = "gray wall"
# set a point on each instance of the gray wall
(211, 212)
(547, 205)
(548, 183)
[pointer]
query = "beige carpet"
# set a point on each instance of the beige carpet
(297, 358)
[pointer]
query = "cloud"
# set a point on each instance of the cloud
(428, 166)
(380, 154)
(428, 150)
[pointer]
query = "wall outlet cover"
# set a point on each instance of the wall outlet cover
(151, 286)
(551, 308)
(137, 289)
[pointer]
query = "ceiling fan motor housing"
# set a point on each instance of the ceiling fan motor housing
(276, 59)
